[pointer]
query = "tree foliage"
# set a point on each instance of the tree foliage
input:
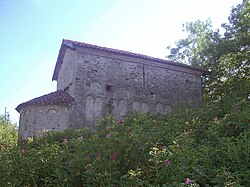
(226, 55)
(8, 134)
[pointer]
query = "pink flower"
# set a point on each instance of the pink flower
(87, 155)
(160, 147)
(25, 152)
(167, 162)
(187, 181)
(108, 135)
(99, 156)
(113, 157)
(120, 122)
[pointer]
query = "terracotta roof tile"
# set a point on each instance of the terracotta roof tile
(58, 97)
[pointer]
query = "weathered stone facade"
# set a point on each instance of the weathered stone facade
(49, 112)
(36, 119)
(108, 81)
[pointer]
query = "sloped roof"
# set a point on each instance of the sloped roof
(70, 44)
(58, 97)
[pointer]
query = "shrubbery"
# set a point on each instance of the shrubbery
(8, 134)
(195, 148)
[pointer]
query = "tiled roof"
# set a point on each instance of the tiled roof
(55, 98)
(75, 44)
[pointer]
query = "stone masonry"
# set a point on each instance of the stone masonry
(105, 81)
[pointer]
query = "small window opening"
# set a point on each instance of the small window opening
(152, 95)
(109, 88)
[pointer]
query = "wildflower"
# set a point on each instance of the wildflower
(25, 152)
(80, 138)
(65, 140)
(99, 156)
(167, 162)
(87, 155)
(113, 157)
(108, 135)
(160, 147)
(187, 181)
(120, 122)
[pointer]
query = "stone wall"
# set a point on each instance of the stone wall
(105, 83)
(66, 75)
(36, 119)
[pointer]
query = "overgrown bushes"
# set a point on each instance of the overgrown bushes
(8, 134)
(195, 148)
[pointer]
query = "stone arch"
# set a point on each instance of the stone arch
(167, 108)
(53, 119)
(144, 108)
(25, 120)
(113, 107)
(98, 108)
(40, 120)
(122, 107)
(136, 106)
(159, 108)
(24, 124)
(93, 109)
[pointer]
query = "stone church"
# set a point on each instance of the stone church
(94, 81)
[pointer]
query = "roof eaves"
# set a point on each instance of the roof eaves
(55, 98)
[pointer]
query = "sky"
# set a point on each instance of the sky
(31, 33)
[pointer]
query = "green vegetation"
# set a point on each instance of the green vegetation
(199, 148)
(205, 147)
(8, 134)
(225, 56)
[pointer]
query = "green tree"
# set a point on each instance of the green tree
(225, 56)
(8, 134)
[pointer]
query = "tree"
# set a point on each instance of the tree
(225, 56)
(8, 134)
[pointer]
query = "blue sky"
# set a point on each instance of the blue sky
(31, 32)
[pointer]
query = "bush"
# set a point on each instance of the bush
(186, 148)
(8, 135)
